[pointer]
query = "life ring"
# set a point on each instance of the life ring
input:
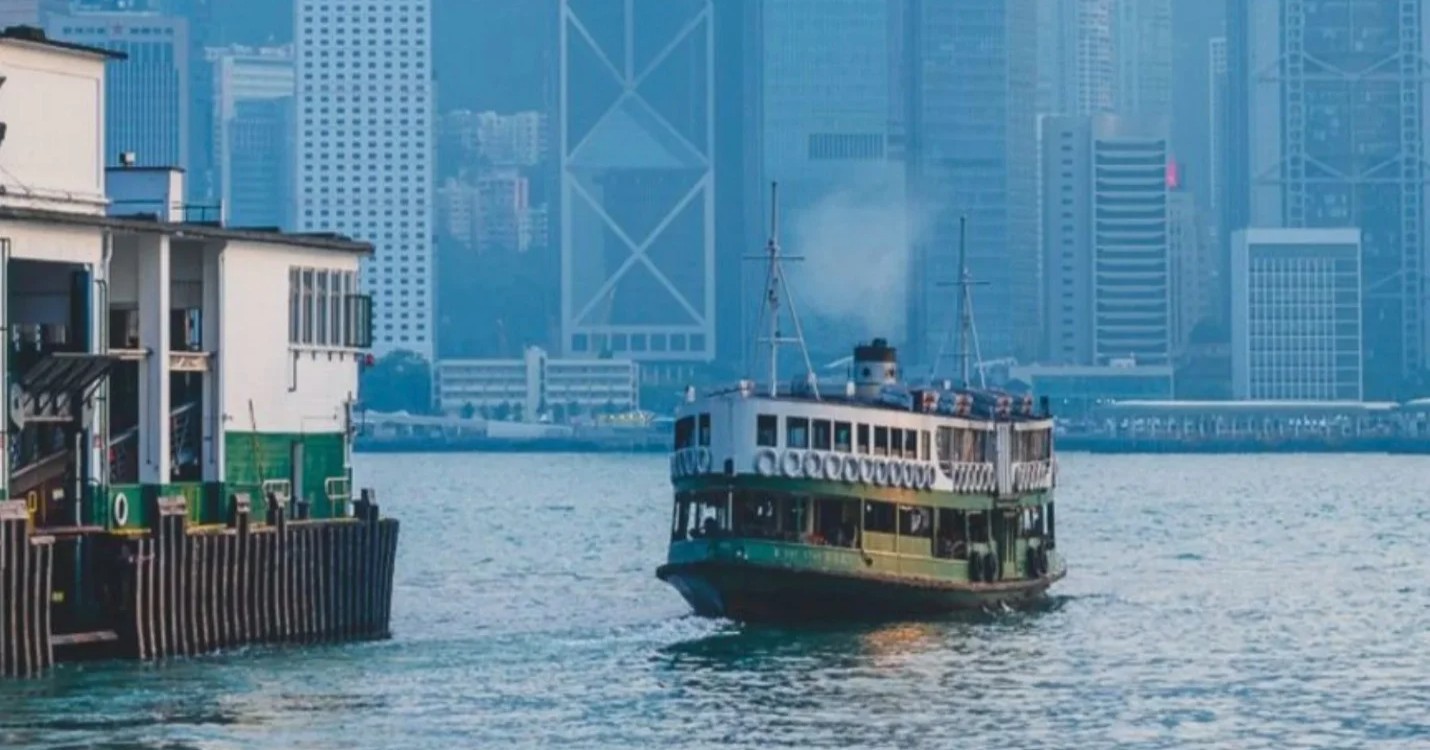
(121, 509)
(896, 473)
(851, 469)
(790, 464)
(702, 460)
(833, 467)
(990, 567)
(866, 470)
(765, 462)
(907, 478)
(813, 465)
(933, 476)
(881, 471)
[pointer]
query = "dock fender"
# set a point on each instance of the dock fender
(1031, 568)
(702, 460)
(120, 511)
(990, 567)
(975, 567)
(790, 464)
(813, 465)
(833, 467)
(1042, 561)
(851, 469)
(766, 462)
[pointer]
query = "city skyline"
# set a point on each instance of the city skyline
(599, 200)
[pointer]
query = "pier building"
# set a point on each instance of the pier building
(177, 420)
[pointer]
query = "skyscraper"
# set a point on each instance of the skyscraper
(253, 133)
(364, 142)
(1106, 264)
(636, 139)
(147, 103)
(1329, 129)
(833, 137)
(1216, 119)
(29, 12)
(972, 150)
(1296, 314)
(1142, 51)
(1076, 56)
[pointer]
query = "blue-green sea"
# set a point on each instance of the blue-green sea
(1212, 602)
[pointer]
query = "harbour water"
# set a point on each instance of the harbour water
(1213, 601)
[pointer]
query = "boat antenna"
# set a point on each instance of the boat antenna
(967, 331)
(777, 286)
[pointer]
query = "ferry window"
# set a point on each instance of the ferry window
(915, 521)
(684, 431)
(863, 438)
(911, 443)
(842, 437)
(821, 434)
(881, 441)
(879, 518)
(796, 432)
(704, 436)
(924, 445)
(952, 534)
(767, 430)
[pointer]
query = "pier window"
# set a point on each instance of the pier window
(821, 435)
(684, 431)
(864, 439)
(881, 441)
(842, 437)
(796, 432)
(767, 430)
(704, 436)
(307, 303)
(295, 305)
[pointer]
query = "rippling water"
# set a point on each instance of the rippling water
(1258, 601)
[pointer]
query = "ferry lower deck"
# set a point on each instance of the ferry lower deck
(753, 553)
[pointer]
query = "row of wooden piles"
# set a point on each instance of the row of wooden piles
(26, 564)
(181, 590)
(291, 581)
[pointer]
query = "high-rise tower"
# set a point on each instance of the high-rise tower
(364, 145)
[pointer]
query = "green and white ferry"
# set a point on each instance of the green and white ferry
(882, 500)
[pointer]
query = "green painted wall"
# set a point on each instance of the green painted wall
(251, 458)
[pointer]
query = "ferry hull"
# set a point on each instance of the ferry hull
(746, 592)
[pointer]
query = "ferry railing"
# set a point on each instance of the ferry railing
(971, 476)
(1033, 476)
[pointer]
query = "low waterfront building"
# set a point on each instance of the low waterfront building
(1073, 391)
(536, 386)
(1296, 314)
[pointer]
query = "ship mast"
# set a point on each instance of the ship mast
(775, 286)
(968, 349)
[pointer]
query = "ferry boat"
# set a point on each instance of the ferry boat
(884, 499)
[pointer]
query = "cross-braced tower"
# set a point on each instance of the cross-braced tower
(636, 139)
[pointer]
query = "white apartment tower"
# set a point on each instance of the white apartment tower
(364, 144)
